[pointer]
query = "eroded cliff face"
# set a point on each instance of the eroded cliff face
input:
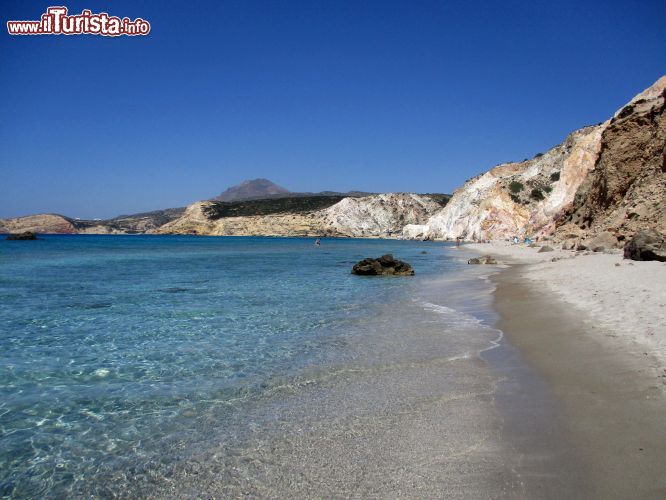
(626, 192)
(600, 177)
(517, 198)
(383, 215)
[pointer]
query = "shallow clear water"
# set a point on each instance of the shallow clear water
(122, 357)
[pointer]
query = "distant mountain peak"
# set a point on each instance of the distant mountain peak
(252, 189)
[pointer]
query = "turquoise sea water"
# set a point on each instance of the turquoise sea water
(123, 356)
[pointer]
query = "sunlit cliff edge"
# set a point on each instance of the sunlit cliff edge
(603, 183)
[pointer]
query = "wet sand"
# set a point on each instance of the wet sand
(612, 404)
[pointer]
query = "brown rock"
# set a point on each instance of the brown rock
(646, 245)
(603, 240)
(385, 265)
(486, 259)
(22, 236)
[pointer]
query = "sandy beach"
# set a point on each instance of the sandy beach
(593, 326)
(624, 299)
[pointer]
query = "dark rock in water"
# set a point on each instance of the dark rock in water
(22, 236)
(423, 252)
(385, 265)
(486, 259)
(545, 248)
(646, 245)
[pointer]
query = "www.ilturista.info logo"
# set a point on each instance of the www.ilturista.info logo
(56, 21)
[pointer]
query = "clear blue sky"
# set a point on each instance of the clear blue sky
(314, 95)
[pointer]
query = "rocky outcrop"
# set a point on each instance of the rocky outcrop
(22, 236)
(385, 265)
(604, 178)
(486, 259)
(626, 192)
(646, 245)
(517, 198)
(42, 223)
(383, 215)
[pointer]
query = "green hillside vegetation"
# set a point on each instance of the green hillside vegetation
(295, 204)
(269, 206)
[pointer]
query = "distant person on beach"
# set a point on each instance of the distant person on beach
(458, 241)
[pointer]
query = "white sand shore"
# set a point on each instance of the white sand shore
(625, 299)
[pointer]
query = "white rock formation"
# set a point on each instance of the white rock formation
(378, 215)
(383, 215)
(487, 208)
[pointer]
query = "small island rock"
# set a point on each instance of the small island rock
(28, 235)
(385, 265)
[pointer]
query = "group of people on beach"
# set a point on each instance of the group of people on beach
(527, 241)
(459, 240)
